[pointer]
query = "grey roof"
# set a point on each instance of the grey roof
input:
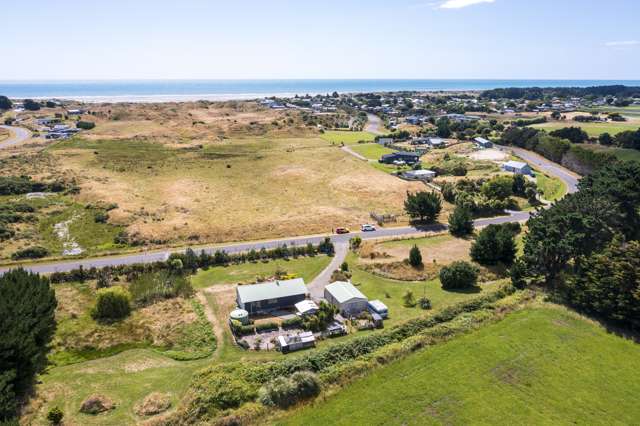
(271, 290)
(343, 291)
(482, 140)
(515, 164)
(378, 305)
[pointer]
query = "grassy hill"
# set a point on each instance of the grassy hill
(541, 365)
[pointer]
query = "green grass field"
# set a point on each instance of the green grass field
(304, 267)
(593, 129)
(541, 365)
(372, 151)
(551, 188)
(621, 153)
(347, 137)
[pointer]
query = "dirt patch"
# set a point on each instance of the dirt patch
(489, 155)
(152, 404)
(403, 271)
(443, 252)
(96, 404)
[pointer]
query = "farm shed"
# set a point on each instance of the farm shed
(424, 175)
(296, 342)
(483, 143)
(517, 167)
(271, 295)
(306, 307)
(348, 299)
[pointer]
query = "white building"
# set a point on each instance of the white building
(517, 167)
(424, 175)
(348, 299)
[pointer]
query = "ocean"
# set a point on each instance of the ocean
(185, 90)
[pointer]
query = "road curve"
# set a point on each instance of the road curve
(64, 266)
(18, 135)
(569, 178)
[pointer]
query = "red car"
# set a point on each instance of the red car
(342, 231)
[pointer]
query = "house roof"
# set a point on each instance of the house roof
(515, 164)
(482, 140)
(401, 154)
(306, 306)
(343, 291)
(421, 172)
(271, 290)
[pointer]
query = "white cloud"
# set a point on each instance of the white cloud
(458, 4)
(625, 43)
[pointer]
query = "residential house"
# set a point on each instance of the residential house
(423, 175)
(400, 157)
(271, 295)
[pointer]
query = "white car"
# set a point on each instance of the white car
(367, 228)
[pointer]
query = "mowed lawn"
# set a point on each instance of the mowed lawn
(541, 365)
(593, 129)
(306, 268)
(371, 151)
(347, 137)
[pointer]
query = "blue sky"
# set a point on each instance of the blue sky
(139, 39)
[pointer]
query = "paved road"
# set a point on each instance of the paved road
(18, 134)
(62, 266)
(568, 177)
(374, 124)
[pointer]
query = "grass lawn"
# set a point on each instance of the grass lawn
(541, 365)
(552, 188)
(126, 378)
(347, 137)
(621, 153)
(304, 267)
(593, 129)
(372, 151)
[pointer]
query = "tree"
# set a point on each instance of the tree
(55, 415)
(605, 139)
(443, 129)
(425, 206)
(494, 244)
(31, 105)
(112, 304)
(27, 324)
(85, 125)
(415, 257)
(499, 187)
(461, 222)
(459, 275)
(608, 283)
(5, 103)
(574, 134)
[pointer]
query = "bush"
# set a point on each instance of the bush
(573, 134)
(415, 257)
(31, 105)
(267, 326)
(85, 125)
(101, 217)
(461, 222)
(292, 322)
(459, 275)
(55, 415)
(494, 244)
(284, 392)
(408, 300)
(153, 286)
(499, 187)
(112, 304)
(424, 303)
(35, 252)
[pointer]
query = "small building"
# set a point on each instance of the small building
(423, 175)
(75, 112)
(483, 143)
(384, 141)
(296, 342)
(406, 157)
(412, 120)
(419, 141)
(335, 329)
(517, 167)
(348, 299)
(436, 142)
(306, 307)
(239, 315)
(271, 295)
(377, 307)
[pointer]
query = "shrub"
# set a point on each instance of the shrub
(292, 322)
(267, 326)
(35, 252)
(415, 257)
(112, 304)
(500, 188)
(461, 222)
(344, 267)
(459, 275)
(101, 217)
(31, 105)
(284, 392)
(408, 300)
(85, 125)
(55, 415)
(424, 303)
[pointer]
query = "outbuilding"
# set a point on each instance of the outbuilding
(306, 307)
(401, 156)
(271, 295)
(346, 297)
(377, 307)
(296, 342)
(424, 175)
(517, 167)
(483, 143)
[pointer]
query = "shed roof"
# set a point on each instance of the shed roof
(271, 290)
(306, 306)
(481, 140)
(515, 164)
(378, 305)
(343, 291)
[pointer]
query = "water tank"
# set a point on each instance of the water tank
(240, 315)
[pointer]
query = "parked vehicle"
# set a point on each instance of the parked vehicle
(367, 228)
(342, 230)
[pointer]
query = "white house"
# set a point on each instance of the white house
(424, 175)
(436, 142)
(517, 167)
(348, 299)
(306, 307)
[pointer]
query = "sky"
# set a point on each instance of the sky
(272, 39)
